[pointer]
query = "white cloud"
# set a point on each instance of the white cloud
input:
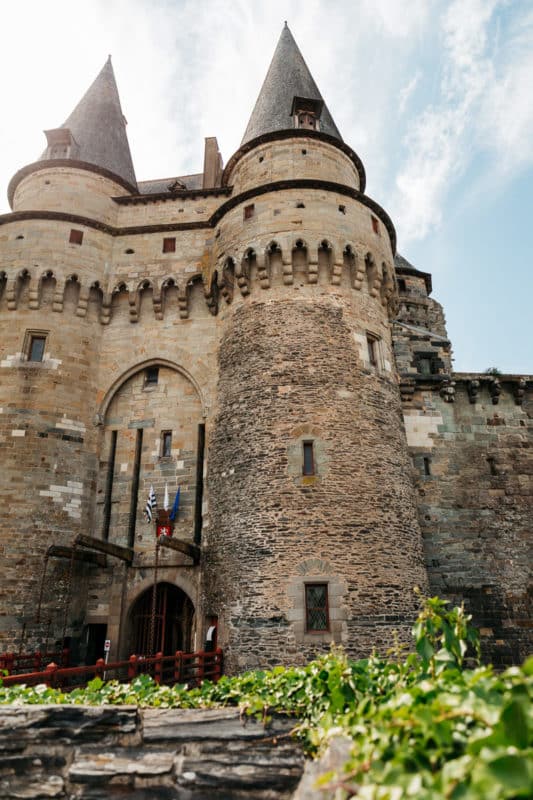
(484, 106)
(407, 91)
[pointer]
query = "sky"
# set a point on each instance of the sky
(435, 96)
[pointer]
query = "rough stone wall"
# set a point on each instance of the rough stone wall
(476, 505)
(419, 331)
(291, 365)
(150, 754)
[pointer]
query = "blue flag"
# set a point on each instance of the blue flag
(175, 508)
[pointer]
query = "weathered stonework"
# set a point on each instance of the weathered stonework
(145, 754)
(270, 302)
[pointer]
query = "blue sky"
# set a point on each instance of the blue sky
(434, 96)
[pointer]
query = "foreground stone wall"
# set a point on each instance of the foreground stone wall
(144, 754)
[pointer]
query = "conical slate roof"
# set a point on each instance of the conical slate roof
(99, 127)
(288, 76)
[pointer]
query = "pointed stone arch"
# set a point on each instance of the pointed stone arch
(120, 302)
(325, 261)
(227, 283)
(70, 298)
(300, 261)
(198, 378)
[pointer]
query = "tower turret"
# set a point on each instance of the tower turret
(57, 248)
(87, 160)
(289, 97)
(314, 535)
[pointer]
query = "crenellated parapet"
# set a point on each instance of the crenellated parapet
(291, 260)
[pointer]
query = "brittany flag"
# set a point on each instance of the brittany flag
(151, 503)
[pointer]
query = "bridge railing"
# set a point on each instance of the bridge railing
(188, 668)
(15, 663)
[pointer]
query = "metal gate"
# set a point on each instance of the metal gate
(167, 623)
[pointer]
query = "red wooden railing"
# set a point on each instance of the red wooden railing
(188, 668)
(15, 663)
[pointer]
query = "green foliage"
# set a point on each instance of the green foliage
(422, 726)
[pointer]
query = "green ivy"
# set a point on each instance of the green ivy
(432, 725)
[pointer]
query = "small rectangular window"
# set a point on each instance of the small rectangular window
(492, 465)
(36, 348)
(166, 444)
(169, 244)
(375, 225)
(308, 467)
(151, 376)
(425, 366)
(427, 465)
(249, 211)
(316, 607)
(372, 344)
(402, 286)
(76, 237)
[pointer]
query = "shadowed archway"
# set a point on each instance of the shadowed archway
(172, 619)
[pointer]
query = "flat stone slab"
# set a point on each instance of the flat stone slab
(91, 767)
(218, 723)
(92, 752)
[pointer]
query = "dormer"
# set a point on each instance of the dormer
(306, 113)
(61, 144)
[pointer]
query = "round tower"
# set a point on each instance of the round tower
(313, 537)
(54, 256)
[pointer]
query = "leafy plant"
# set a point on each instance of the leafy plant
(422, 726)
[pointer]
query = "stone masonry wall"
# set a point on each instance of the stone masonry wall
(476, 505)
(291, 367)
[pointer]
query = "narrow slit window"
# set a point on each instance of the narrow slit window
(151, 376)
(491, 461)
(308, 467)
(169, 244)
(427, 465)
(36, 348)
(375, 225)
(316, 607)
(166, 444)
(372, 344)
(76, 237)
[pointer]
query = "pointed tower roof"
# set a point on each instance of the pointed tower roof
(98, 127)
(288, 77)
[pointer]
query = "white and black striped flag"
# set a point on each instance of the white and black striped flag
(151, 503)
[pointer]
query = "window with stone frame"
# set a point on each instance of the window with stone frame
(427, 363)
(151, 376)
(34, 345)
(372, 343)
(316, 608)
(166, 444)
(308, 465)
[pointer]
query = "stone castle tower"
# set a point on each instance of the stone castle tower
(249, 336)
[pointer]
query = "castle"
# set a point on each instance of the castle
(250, 336)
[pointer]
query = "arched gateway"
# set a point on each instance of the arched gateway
(165, 625)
